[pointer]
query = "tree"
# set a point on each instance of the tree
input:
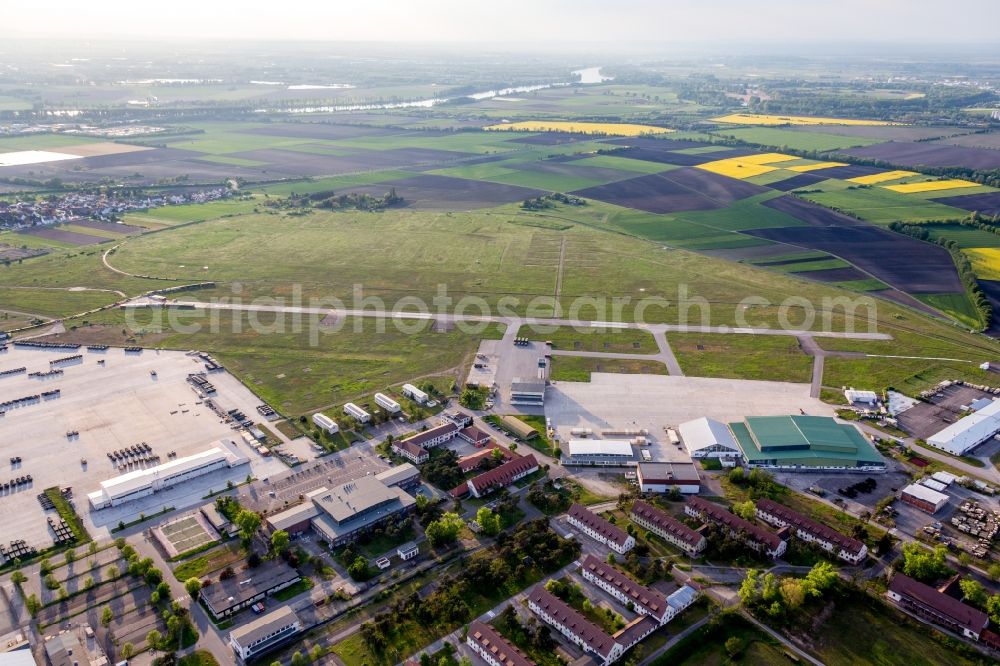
(299, 659)
(112, 572)
(18, 577)
(746, 510)
(33, 604)
(793, 593)
(923, 564)
(358, 569)
(88, 582)
(279, 541)
(193, 586)
(163, 588)
(153, 639)
(248, 523)
(736, 475)
(488, 521)
(444, 530)
(127, 651)
(820, 578)
(734, 646)
(107, 615)
(993, 608)
(749, 588)
(973, 592)
(70, 556)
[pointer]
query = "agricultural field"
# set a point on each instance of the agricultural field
(764, 119)
(880, 205)
(576, 127)
(929, 154)
(781, 138)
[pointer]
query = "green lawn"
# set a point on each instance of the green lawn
(52, 302)
(964, 236)
(209, 561)
(171, 215)
(954, 305)
(706, 646)
(770, 357)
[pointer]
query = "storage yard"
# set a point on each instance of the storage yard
(116, 413)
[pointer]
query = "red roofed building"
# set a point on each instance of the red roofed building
(645, 600)
(494, 648)
(472, 461)
(599, 529)
(502, 476)
(845, 547)
(937, 607)
(754, 536)
(415, 453)
(668, 528)
(573, 625)
(474, 436)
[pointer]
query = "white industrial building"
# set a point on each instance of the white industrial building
(924, 498)
(854, 397)
(265, 633)
(415, 394)
(145, 482)
(356, 413)
(324, 422)
(708, 438)
(966, 434)
(606, 452)
(387, 403)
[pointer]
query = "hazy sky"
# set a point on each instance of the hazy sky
(541, 21)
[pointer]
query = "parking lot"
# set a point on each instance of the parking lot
(612, 402)
(109, 400)
(944, 408)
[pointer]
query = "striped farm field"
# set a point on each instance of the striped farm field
(985, 262)
(884, 177)
(765, 119)
(803, 168)
(931, 186)
(608, 129)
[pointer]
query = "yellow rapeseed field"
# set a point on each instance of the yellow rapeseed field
(881, 177)
(764, 119)
(985, 262)
(608, 129)
(813, 167)
(931, 186)
(736, 168)
(765, 158)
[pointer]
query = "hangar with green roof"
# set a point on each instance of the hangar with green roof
(805, 443)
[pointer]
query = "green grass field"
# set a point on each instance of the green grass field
(795, 140)
(284, 367)
(171, 215)
(629, 341)
(954, 305)
(52, 302)
(42, 142)
(624, 164)
(741, 215)
(964, 236)
(579, 368)
(775, 358)
(881, 206)
(706, 646)
(332, 183)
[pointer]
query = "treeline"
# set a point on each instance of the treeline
(962, 263)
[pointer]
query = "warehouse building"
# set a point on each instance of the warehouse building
(493, 648)
(340, 515)
(356, 413)
(519, 428)
(387, 403)
(844, 547)
(708, 438)
(600, 452)
(145, 482)
(668, 528)
(404, 476)
(867, 399)
(924, 498)
(967, 433)
(415, 394)
(643, 599)
(937, 607)
(529, 393)
(502, 476)
(754, 536)
(265, 633)
(325, 423)
(805, 444)
(225, 597)
(664, 477)
(599, 529)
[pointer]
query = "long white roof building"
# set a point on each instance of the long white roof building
(969, 432)
(707, 437)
